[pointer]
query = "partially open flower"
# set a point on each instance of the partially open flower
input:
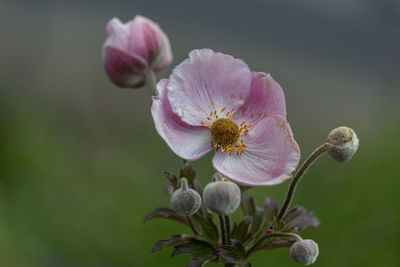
(134, 48)
(213, 101)
(184, 200)
(343, 143)
(305, 251)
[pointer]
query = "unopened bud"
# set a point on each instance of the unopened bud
(184, 200)
(304, 251)
(343, 143)
(221, 196)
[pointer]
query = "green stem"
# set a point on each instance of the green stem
(151, 82)
(292, 187)
(223, 230)
(227, 220)
(265, 237)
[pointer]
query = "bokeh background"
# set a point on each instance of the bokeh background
(81, 163)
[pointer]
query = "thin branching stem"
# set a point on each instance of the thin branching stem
(292, 187)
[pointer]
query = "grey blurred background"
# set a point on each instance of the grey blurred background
(81, 163)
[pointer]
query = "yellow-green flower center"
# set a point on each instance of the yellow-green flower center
(225, 132)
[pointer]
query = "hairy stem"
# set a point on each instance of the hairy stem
(292, 187)
(266, 236)
(227, 220)
(223, 229)
(151, 82)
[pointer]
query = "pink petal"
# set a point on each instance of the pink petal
(148, 40)
(165, 57)
(188, 142)
(118, 34)
(123, 69)
(270, 157)
(205, 82)
(266, 98)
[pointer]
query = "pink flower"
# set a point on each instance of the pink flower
(213, 101)
(134, 48)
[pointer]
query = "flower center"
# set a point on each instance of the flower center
(225, 132)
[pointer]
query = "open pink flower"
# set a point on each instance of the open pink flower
(213, 101)
(134, 48)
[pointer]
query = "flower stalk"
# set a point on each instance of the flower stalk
(292, 187)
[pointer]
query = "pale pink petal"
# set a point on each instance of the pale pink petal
(118, 34)
(188, 142)
(266, 98)
(124, 70)
(205, 82)
(271, 155)
(147, 40)
(165, 57)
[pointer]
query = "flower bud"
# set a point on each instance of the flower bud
(221, 196)
(304, 251)
(343, 143)
(134, 48)
(185, 201)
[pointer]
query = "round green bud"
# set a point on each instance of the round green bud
(304, 251)
(221, 196)
(184, 200)
(343, 143)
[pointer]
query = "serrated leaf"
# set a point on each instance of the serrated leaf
(173, 241)
(240, 231)
(166, 213)
(196, 248)
(248, 204)
(187, 172)
(208, 228)
(298, 219)
(259, 219)
(173, 180)
(233, 254)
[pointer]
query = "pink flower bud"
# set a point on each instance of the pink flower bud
(134, 48)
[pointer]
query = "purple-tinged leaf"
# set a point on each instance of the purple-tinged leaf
(166, 213)
(196, 248)
(173, 241)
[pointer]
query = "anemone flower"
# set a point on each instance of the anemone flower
(213, 101)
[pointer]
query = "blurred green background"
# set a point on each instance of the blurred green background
(81, 163)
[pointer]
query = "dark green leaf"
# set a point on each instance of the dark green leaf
(208, 227)
(240, 232)
(259, 219)
(233, 254)
(173, 241)
(166, 213)
(196, 248)
(298, 219)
